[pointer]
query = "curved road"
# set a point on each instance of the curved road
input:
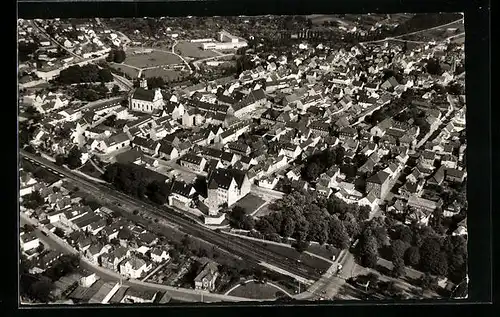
(255, 281)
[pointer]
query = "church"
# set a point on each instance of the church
(145, 100)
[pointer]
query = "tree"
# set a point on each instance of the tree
(59, 232)
(364, 213)
(398, 267)
(41, 289)
(398, 248)
(115, 90)
(412, 256)
(431, 258)
(287, 227)
(40, 248)
(338, 234)
(301, 246)
(368, 250)
(34, 200)
(428, 282)
(239, 219)
(119, 56)
(74, 158)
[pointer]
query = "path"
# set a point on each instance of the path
(255, 281)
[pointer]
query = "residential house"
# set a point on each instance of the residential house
(255, 98)
(159, 255)
(427, 159)
(167, 151)
(114, 258)
(181, 194)
(29, 241)
(205, 280)
(455, 175)
(133, 295)
(134, 267)
(369, 200)
(378, 183)
(193, 162)
(411, 188)
(348, 192)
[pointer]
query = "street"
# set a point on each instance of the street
(56, 243)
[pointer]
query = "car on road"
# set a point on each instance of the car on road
(43, 232)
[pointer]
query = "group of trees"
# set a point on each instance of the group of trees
(309, 217)
(416, 246)
(37, 287)
(137, 181)
(239, 219)
(319, 163)
(90, 92)
(73, 159)
(89, 73)
(116, 55)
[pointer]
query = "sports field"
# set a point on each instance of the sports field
(163, 73)
(188, 49)
(132, 72)
(150, 59)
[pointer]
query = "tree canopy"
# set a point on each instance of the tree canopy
(89, 73)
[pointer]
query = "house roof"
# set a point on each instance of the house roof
(181, 188)
(144, 94)
(192, 158)
(378, 178)
(222, 178)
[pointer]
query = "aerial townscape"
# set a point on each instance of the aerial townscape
(242, 159)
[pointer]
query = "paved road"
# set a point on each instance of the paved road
(182, 294)
(236, 247)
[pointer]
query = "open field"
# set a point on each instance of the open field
(132, 72)
(250, 203)
(166, 74)
(437, 34)
(193, 50)
(255, 291)
(154, 58)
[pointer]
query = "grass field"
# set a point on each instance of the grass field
(132, 72)
(255, 291)
(163, 73)
(155, 58)
(193, 50)
(250, 203)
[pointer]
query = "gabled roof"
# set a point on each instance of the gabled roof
(182, 188)
(222, 178)
(378, 178)
(192, 158)
(143, 94)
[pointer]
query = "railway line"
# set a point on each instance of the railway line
(235, 246)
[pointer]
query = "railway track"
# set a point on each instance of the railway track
(235, 246)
